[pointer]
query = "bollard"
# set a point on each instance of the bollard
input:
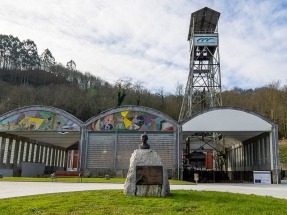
(196, 177)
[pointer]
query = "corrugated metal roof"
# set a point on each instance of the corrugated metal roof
(231, 122)
(204, 20)
(227, 120)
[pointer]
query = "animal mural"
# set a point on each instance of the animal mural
(131, 120)
(38, 120)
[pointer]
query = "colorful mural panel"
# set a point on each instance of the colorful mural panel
(38, 120)
(131, 120)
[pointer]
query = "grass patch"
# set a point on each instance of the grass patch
(115, 202)
(84, 180)
(283, 153)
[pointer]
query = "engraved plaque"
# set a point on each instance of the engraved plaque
(149, 175)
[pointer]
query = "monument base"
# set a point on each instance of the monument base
(148, 190)
(146, 176)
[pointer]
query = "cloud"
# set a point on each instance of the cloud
(146, 40)
(253, 44)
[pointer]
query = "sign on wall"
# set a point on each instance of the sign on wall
(206, 40)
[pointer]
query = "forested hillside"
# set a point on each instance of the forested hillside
(269, 101)
(27, 78)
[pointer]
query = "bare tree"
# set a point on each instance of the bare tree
(122, 87)
(138, 88)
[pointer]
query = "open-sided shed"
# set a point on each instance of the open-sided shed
(37, 135)
(247, 141)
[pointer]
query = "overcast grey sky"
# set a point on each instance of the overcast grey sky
(146, 40)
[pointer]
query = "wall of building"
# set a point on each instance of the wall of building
(250, 155)
(109, 153)
(111, 138)
(15, 150)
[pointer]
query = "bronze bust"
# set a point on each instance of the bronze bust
(144, 144)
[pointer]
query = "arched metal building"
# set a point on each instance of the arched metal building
(111, 137)
(49, 139)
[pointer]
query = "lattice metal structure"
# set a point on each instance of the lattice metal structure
(203, 88)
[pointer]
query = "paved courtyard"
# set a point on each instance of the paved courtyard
(15, 189)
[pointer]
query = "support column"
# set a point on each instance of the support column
(37, 152)
(61, 158)
(21, 152)
(32, 152)
(15, 157)
(252, 154)
(41, 156)
(46, 156)
(57, 157)
(241, 156)
(16, 152)
(82, 150)
(65, 159)
(276, 171)
(49, 156)
(268, 146)
(259, 151)
(27, 151)
(9, 147)
(53, 157)
(2, 150)
(263, 150)
(255, 153)
(248, 154)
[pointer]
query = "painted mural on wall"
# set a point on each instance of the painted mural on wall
(38, 120)
(131, 120)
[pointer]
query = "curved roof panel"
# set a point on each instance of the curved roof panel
(41, 118)
(43, 124)
(131, 118)
(225, 119)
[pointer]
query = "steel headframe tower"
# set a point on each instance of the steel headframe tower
(203, 88)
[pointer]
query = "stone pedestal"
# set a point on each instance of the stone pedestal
(146, 176)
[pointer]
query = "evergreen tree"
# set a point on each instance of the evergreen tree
(47, 60)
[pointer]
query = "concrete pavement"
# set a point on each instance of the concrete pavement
(16, 189)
